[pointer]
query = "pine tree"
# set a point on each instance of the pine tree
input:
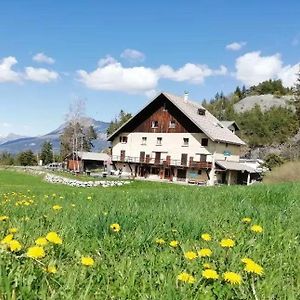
(297, 95)
(46, 153)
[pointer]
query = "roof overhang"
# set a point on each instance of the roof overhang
(235, 166)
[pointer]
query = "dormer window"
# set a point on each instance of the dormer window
(201, 111)
(154, 124)
(172, 124)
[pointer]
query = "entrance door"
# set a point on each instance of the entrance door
(122, 156)
(167, 173)
(183, 159)
(142, 157)
(157, 158)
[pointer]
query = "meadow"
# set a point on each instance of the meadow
(148, 240)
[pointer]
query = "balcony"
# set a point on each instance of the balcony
(162, 162)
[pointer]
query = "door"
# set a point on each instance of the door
(122, 156)
(142, 157)
(157, 158)
(183, 159)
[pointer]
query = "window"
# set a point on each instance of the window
(159, 141)
(172, 124)
(154, 124)
(203, 157)
(185, 142)
(204, 142)
(144, 140)
(123, 139)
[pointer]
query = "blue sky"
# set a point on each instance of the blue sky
(118, 54)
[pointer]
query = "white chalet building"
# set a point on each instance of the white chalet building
(175, 139)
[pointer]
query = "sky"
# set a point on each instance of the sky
(119, 54)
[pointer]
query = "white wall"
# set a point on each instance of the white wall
(172, 145)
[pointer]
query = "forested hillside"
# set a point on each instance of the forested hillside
(259, 126)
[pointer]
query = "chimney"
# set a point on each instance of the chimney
(186, 97)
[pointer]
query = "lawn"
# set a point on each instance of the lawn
(138, 262)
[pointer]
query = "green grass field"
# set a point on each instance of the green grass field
(129, 264)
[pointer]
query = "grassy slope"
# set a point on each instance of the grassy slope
(129, 264)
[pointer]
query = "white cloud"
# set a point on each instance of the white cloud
(43, 58)
(133, 55)
(288, 75)
(189, 72)
(107, 60)
(235, 46)
(40, 74)
(6, 72)
(111, 75)
(114, 77)
(252, 68)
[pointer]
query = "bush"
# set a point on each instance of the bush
(273, 160)
(288, 172)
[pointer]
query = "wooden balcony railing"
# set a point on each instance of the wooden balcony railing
(162, 162)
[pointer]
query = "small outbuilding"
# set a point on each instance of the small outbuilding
(86, 161)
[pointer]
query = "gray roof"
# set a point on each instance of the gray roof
(207, 123)
(235, 166)
(227, 124)
(93, 156)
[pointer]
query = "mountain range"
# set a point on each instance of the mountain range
(16, 143)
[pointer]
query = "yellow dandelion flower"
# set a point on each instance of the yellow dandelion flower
(87, 261)
(232, 277)
(174, 244)
(7, 239)
(115, 227)
(89, 198)
(160, 241)
(207, 266)
(51, 269)
(54, 238)
(41, 241)
(190, 255)
(36, 252)
(4, 218)
(246, 260)
(210, 274)
(256, 228)
(13, 230)
(186, 277)
(206, 237)
(246, 220)
(205, 252)
(252, 267)
(227, 243)
(57, 207)
(73, 205)
(14, 246)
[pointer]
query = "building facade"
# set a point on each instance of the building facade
(175, 139)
